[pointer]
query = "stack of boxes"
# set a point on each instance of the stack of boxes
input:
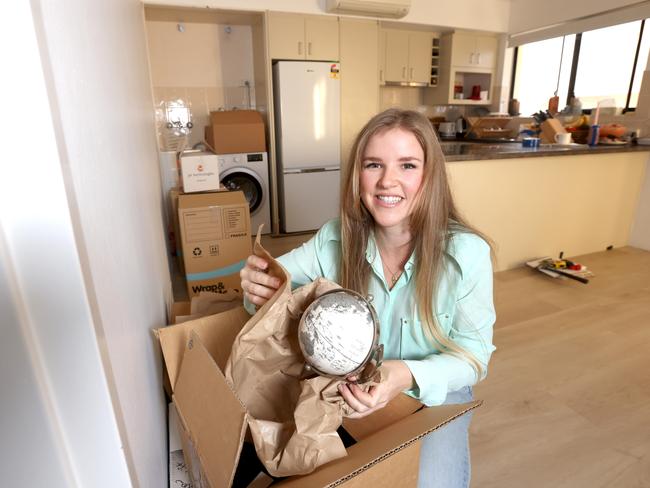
(211, 225)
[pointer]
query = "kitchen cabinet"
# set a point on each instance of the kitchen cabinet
(473, 51)
(407, 57)
(467, 70)
(303, 37)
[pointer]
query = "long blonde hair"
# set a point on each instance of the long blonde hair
(434, 219)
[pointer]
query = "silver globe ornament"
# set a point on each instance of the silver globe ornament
(338, 334)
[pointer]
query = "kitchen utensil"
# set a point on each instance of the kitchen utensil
(563, 138)
(461, 127)
(594, 135)
(447, 129)
(513, 107)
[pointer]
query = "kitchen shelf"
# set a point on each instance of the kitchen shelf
(435, 61)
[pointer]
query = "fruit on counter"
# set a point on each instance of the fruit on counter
(580, 122)
(612, 130)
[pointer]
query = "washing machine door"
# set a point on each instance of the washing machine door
(247, 182)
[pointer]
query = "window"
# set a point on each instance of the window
(605, 63)
(536, 73)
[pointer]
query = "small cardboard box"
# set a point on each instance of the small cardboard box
(236, 131)
(199, 171)
(215, 239)
(213, 421)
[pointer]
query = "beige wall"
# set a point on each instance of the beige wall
(533, 207)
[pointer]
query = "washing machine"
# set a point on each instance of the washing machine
(249, 172)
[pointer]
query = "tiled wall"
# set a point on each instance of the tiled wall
(204, 66)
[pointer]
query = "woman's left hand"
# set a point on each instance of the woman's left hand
(396, 377)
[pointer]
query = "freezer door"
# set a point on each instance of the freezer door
(309, 200)
(307, 107)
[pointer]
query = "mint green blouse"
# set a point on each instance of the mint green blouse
(464, 307)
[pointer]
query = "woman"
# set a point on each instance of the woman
(400, 239)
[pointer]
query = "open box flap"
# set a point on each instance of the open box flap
(217, 433)
(381, 445)
(217, 333)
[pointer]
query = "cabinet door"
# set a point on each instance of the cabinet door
(322, 36)
(286, 36)
(382, 56)
(419, 57)
(486, 52)
(463, 50)
(397, 48)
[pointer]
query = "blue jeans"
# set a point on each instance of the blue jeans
(444, 454)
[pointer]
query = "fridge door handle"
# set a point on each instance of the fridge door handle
(311, 170)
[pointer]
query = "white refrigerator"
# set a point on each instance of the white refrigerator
(306, 95)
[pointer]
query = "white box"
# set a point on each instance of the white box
(199, 171)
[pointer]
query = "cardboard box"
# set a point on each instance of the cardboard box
(199, 171)
(178, 473)
(213, 422)
(236, 131)
(215, 239)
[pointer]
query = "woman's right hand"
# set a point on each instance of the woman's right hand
(257, 285)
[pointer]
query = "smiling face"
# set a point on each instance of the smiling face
(391, 174)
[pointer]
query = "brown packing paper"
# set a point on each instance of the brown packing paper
(293, 423)
(206, 303)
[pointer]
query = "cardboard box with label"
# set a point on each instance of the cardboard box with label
(213, 422)
(215, 239)
(236, 131)
(199, 171)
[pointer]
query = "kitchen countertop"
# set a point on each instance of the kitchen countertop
(472, 151)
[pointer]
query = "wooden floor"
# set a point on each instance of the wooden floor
(567, 398)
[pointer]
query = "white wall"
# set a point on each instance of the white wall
(57, 424)
(486, 15)
(96, 62)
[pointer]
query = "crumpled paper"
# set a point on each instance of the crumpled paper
(293, 422)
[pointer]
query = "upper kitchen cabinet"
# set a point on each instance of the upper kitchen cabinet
(473, 50)
(303, 37)
(407, 57)
(467, 64)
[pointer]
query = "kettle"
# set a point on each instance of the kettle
(461, 127)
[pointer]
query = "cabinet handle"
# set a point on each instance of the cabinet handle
(478, 58)
(471, 58)
(299, 47)
(411, 75)
(381, 75)
(404, 72)
(309, 48)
